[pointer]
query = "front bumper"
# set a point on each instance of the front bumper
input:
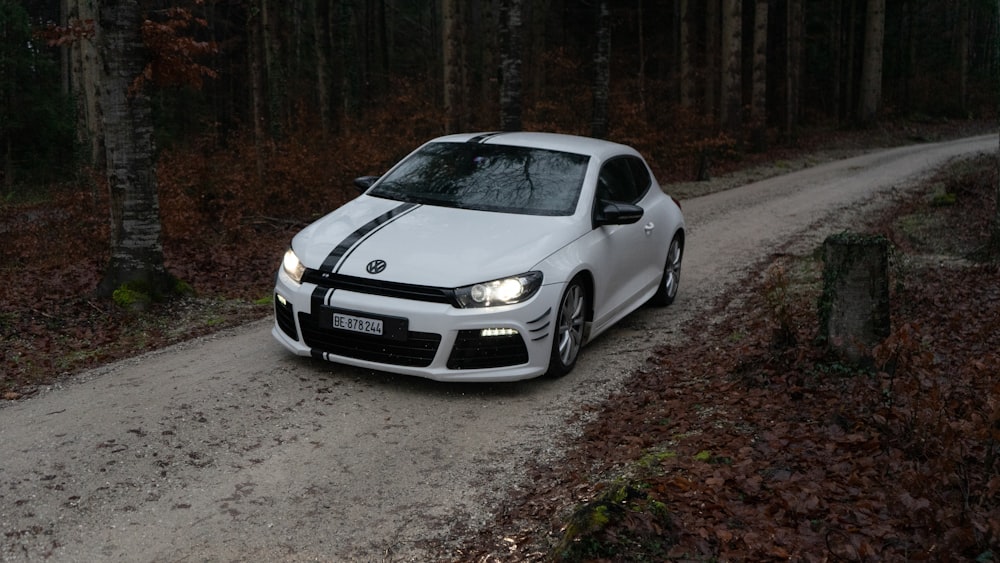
(442, 342)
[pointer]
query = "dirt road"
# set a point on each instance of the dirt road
(228, 449)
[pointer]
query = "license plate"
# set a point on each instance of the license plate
(357, 324)
(394, 328)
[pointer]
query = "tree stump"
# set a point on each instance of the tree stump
(854, 307)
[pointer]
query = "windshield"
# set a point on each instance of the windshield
(499, 178)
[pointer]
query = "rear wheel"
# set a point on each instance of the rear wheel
(671, 279)
(567, 339)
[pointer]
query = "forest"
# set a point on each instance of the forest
(676, 77)
(151, 149)
(305, 94)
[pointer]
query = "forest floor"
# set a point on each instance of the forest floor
(789, 453)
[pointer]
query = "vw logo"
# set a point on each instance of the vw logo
(376, 267)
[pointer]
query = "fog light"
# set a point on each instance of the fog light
(498, 332)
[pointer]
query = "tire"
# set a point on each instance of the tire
(567, 337)
(670, 281)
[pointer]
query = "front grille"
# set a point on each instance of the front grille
(473, 351)
(285, 317)
(377, 287)
(416, 351)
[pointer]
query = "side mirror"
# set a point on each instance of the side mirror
(614, 213)
(365, 182)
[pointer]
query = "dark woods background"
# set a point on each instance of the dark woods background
(676, 77)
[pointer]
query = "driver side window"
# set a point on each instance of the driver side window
(617, 181)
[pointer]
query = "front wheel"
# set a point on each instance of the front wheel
(567, 339)
(671, 279)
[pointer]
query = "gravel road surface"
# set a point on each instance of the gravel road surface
(227, 448)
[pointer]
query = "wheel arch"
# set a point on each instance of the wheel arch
(587, 279)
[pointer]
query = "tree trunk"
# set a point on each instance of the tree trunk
(452, 53)
(602, 72)
(996, 216)
(871, 69)
(488, 56)
(854, 308)
(964, 14)
(258, 93)
(136, 248)
(322, 80)
(510, 65)
(713, 57)
(758, 108)
(995, 243)
(793, 66)
(909, 55)
(732, 66)
(641, 78)
(685, 44)
(85, 63)
(848, 97)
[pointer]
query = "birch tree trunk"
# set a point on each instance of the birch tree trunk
(136, 248)
(602, 72)
(732, 65)
(871, 69)
(510, 65)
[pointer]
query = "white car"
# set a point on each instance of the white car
(482, 257)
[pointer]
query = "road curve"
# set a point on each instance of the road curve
(226, 448)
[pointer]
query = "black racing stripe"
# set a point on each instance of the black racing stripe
(320, 295)
(484, 137)
(330, 264)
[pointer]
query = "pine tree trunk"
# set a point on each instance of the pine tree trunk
(602, 72)
(136, 248)
(510, 65)
(732, 66)
(871, 69)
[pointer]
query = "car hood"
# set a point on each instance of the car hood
(429, 245)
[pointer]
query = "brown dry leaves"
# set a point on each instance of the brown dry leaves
(761, 450)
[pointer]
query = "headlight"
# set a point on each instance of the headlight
(292, 266)
(506, 291)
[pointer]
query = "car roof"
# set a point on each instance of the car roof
(551, 141)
